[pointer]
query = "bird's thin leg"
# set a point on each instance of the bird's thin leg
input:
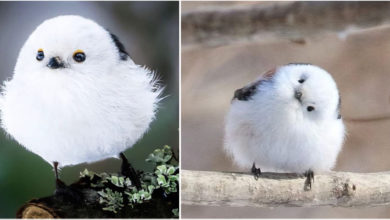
(309, 179)
(64, 191)
(128, 171)
(255, 171)
(55, 163)
(59, 183)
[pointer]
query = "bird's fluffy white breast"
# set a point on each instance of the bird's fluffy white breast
(270, 133)
(79, 117)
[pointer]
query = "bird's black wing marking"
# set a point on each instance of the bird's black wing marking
(245, 93)
(123, 55)
(338, 109)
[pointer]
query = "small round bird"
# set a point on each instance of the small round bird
(287, 121)
(76, 95)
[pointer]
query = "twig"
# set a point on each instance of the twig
(341, 189)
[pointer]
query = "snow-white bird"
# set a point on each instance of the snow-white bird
(76, 96)
(287, 121)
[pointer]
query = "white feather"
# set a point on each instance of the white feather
(82, 113)
(274, 130)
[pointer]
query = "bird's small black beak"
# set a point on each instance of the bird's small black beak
(55, 63)
(298, 95)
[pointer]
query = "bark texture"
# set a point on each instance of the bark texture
(341, 189)
(81, 201)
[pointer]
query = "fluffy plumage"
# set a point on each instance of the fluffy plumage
(288, 120)
(86, 111)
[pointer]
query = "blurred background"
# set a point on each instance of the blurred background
(226, 45)
(150, 34)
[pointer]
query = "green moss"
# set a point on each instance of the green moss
(112, 200)
(116, 191)
(160, 156)
(175, 212)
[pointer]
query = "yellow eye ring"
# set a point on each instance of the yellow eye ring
(79, 56)
(40, 54)
(78, 51)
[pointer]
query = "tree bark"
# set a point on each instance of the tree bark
(81, 201)
(341, 189)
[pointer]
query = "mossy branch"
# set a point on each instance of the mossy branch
(113, 195)
(338, 189)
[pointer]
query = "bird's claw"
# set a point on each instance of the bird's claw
(255, 171)
(59, 183)
(309, 179)
(128, 171)
(64, 191)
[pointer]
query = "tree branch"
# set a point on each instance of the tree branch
(341, 189)
(295, 20)
(128, 194)
(63, 206)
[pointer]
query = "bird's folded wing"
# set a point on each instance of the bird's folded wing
(245, 93)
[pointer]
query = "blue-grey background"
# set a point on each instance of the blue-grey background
(149, 31)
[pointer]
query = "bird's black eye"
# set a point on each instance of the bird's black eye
(40, 55)
(79, 56)
(301, 80)
(310, 108)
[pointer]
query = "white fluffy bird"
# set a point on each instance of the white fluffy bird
(288, 120)
(76, 96)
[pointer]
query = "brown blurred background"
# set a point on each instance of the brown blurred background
(219, 54)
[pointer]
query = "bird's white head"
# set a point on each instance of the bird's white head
(308, 89)
(70, 45)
